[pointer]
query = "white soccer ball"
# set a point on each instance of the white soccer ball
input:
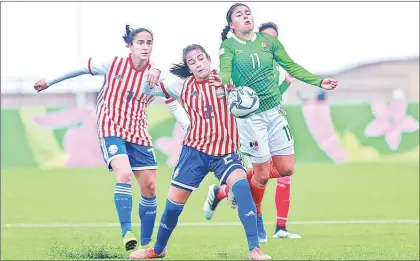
(243, 102)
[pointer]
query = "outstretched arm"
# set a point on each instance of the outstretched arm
(297, 71)
(92, 67)
(169, 86)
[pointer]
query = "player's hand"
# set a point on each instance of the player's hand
(229, 87)
(289, 78)
(329, 84)
(153, 77)
(215, 80)
(40, 85)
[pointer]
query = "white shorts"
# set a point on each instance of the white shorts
(265, 134)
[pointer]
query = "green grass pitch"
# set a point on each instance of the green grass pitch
(349, 212)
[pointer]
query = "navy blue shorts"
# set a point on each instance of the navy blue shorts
(140, 157)
(193, 166)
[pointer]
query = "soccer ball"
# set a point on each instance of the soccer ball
(243, 102)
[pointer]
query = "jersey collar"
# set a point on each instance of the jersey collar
(243, 41)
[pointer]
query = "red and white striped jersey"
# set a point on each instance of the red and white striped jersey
(212, 127)
(121, 106)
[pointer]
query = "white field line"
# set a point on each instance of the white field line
(213, 224)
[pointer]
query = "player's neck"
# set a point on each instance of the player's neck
(201, 80)
(138, 64)
(246, 36)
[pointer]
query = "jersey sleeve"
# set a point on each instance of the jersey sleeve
(179, 113)
(93, 67)
(169, 86)
(226, 59)
(98, 67)
(283, 59)
(153, 65)
(283, 87)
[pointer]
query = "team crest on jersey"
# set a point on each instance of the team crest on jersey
(117, 76)
(112, 149)
(265, 44)
(194, 93)
(220, 92)
(254, 145)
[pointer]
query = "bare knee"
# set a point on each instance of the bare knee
(147, 182)
(149, 187)
(284, 164)
(124, 177)
(287, 172)
(262, 173)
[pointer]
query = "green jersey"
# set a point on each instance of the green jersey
(282, 86)
(250, 63)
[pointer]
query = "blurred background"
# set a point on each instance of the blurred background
(357, 148)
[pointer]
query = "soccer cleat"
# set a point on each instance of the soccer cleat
(231, 200)
(129, 241)
(146, 246)
(262, 235)
(211, 202)
(258, 254)
(147, 253)
(283, 233)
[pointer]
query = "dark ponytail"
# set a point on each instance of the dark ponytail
(181, 69)
(127, 36)
(225, 32)
(130, 34)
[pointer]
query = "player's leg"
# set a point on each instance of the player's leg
(144, 165)
(115, 155)
(229, 170)
(175, 202)
(282, 149)
(187, 176)
(253, 136)
(217, 193)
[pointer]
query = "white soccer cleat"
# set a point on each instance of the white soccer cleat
(211, 202)
(231, 200)
(285, 234)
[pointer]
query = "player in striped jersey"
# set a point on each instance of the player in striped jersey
(282, 195)
(122, 128)
(247, 59)
(210, 145)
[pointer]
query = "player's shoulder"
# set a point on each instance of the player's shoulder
(187, 81)
(228, 42)
(265, 37)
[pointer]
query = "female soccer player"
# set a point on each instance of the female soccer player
(282, 196)
(247, 58)
(211, 144)
(122, 128)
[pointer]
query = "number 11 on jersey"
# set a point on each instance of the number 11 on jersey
(257, 58)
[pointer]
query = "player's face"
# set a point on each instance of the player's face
(199, 64)
(270, 31)
(242, 20)
(142, 45)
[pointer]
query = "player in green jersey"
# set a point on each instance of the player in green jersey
(272, 29)
(247, 59)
